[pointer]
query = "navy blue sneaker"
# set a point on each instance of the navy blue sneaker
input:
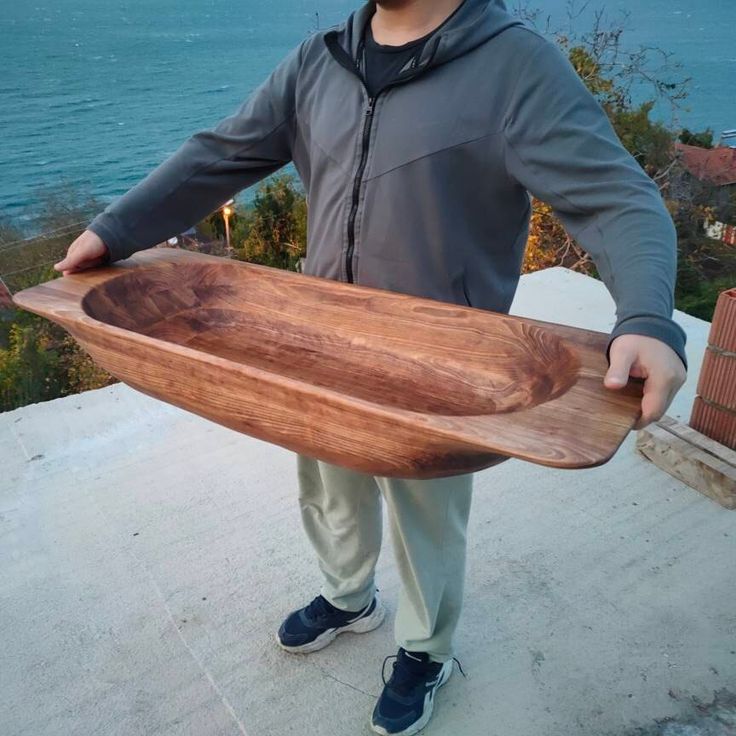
(407, 700)
(315, 626)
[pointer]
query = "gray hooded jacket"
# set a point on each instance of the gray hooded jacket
(424, 188)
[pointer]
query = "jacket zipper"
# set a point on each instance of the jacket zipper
(345, 60)
(357, 182)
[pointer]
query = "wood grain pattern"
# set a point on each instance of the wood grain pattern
(382, 382)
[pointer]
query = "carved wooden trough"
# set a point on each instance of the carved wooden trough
(382, 382)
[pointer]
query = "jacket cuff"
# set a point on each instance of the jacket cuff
(118, 248)
(661, 328)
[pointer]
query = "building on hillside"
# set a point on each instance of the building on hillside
(728, 138)
(712, 165)
(708, 175)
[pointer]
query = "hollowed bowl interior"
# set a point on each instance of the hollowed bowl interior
(428, 357)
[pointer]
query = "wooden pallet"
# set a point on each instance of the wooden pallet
(686, 454)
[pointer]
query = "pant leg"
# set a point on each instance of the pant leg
(428, 520)
(341, 514)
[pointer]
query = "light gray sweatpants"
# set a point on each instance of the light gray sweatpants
(341, 513)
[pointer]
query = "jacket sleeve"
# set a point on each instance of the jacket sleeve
(561, 147)
(207, 170)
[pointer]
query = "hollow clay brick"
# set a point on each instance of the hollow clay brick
(717, 381)
(723, 327)
(714, 422)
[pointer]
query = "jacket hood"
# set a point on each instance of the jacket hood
(474, 23)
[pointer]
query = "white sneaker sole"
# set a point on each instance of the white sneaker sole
(361, 626)
(418, 725)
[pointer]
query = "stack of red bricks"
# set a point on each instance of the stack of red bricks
(714, 410)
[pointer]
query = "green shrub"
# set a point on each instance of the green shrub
(274, 229)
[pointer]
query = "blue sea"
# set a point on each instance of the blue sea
(97, 92)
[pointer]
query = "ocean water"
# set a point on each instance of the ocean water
(97, 92)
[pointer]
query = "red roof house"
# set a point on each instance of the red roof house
(713, 165)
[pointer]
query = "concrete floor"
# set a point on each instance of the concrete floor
(148, 557)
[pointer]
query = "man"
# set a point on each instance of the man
(417, 128)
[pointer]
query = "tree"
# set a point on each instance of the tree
(28, 368)
(38, 359)
(649, 142)
(703, 139)
(275, 230)
(611, 73)
(549, 244)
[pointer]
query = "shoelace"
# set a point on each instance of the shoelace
(403, 678)
(319, 608)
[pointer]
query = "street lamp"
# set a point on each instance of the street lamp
(227, 211)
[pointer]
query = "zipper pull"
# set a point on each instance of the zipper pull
(369, 109)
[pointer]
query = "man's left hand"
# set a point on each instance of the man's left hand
(654, 361)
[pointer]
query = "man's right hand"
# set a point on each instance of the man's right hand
(87, 251)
